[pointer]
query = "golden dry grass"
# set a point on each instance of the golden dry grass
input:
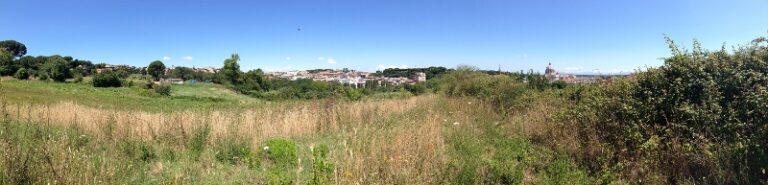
(258, 123)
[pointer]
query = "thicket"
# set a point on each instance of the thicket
(700, 118)
(107, 79)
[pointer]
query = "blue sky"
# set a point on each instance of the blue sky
(576, 36)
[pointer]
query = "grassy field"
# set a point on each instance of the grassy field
(204, 134)
(183, 97)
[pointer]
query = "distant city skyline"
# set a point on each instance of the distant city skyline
(577, 37)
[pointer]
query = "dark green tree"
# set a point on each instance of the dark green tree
(156, 69)
(107, 79)
(231, 70)
(56, 68)
(17, 49)
(21, 74)
(6, 60)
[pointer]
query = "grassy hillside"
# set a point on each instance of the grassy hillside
(183, 97)
(72, 133)
(699, 118)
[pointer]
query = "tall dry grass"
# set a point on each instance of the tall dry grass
(372, 142)
(258, 123)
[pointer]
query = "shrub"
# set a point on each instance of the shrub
(106, 79)
(42, 76)
(56, 68)
(284, 159)
(322, 168)
(353, 94)
(21, 74)
(416, 89)
(700, 117)
(282, 152)
(162, 89)
(501, 91)
(236, 151)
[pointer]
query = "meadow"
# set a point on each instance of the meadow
(76, 134)
(698, 119)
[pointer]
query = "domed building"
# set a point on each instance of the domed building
(550, 73)
(553, 75)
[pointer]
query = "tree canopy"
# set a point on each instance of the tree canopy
(156, 69)
(231, 70)
(17, 49)
(56, 68)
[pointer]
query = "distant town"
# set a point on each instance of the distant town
(357, 78)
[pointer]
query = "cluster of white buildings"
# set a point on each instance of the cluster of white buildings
(353, 78)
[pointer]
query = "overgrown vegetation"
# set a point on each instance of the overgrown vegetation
(698, 119)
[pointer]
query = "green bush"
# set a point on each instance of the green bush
(322, 168)
(700, 117)
(106, 79)
(21, 74)
(236, 151)
(282, 152)
(416, 89)
(283, 157)
(162, 89)
(56, 68)
(502, 91)
(353, 94)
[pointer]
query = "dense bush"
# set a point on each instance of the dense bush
(322, 167)
(56, 68)
(283, 157)
(702, 117)
(21, 74)
(501, 90)
(106, 79)
(162, 89)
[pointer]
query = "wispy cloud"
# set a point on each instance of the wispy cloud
(166, 58)
(187, 58)
(331, 61)
(287, 58)
(320, 58)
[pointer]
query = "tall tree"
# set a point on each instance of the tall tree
(16, 48)
(56, 68)
(156, 69)
(5, 62)
(231, 70)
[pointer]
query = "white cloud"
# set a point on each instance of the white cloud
(166, 58)
(320, 58)
(331, 61)
(187, 58)
(382, 67)
(287, 58)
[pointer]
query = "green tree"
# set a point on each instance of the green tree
(231, 70)
(17, 49)
(21, 74)
(107, 79)
(184, 73)
(5, 62)
(156, 69)
(56, 68)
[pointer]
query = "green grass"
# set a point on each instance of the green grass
(183, 97)
(478, 151)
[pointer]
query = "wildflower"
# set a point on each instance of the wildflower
(266, 148)
(455, 123)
